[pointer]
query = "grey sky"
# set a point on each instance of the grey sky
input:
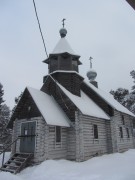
(103, 29)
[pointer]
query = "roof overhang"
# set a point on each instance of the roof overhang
(132, 3)
(61, 71)
(64, 53)
(108, 98)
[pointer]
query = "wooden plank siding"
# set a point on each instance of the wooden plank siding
(57, 150)
(86, 145)
(77, 142)
(125, 143)
(22, 109)
(45, 143)
(71, 143)
(71, 81)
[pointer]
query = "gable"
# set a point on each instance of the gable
(40, 104)
(22, 110)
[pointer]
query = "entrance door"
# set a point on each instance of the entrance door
(27, 141)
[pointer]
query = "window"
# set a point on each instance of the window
(58, 134)
(128, 135)
(123, 121)
(121, 132)
(95, 131)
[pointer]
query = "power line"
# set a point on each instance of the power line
(40, 28)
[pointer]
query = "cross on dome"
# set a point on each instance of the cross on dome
(63, 24)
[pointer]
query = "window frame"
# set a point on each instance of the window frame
(128, 134)
(123, 119)
(121, 132)
(57, 134)
(95, 132)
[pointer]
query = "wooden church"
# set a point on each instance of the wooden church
(69, 117)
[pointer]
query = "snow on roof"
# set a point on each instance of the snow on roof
(66, 71)
(49, 109)
(86, 105)
(109, 99)
(63, 47)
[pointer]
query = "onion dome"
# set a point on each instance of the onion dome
(63, 32)
(91, 74)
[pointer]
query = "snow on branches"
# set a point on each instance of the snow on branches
(124, 97)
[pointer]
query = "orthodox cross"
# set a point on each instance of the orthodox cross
(90, 62)
(63, 22)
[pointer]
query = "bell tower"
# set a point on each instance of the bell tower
(63, 64)
(63, 57)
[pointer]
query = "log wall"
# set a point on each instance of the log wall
(45, 143)
(71, 141)
(86, 145)
(125, 143)
(57, 150)
(77, 142)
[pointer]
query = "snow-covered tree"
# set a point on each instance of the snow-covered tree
(5, 134)
(17, 99)
(1, 95)
(132, 94)
(132, 73)
(120, 95)
(4, 118)
(125, 97)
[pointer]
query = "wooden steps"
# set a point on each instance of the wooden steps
(17, 162)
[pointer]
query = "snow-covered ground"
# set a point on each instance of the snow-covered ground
(107, 167)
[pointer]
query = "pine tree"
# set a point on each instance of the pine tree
(125, 97)
(120, 95)
(132, 73)
(17, 99)
(5, 134)
(132, 94)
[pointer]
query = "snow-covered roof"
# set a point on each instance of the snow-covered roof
(49, 109)
(63, 47)
(86, 105)
(109, 99)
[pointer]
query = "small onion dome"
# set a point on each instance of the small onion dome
(91, 74)
(63, 32)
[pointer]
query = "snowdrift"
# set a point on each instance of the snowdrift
(118, 166)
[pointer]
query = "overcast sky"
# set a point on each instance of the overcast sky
(103, 29)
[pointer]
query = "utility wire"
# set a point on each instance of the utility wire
(40, 28)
